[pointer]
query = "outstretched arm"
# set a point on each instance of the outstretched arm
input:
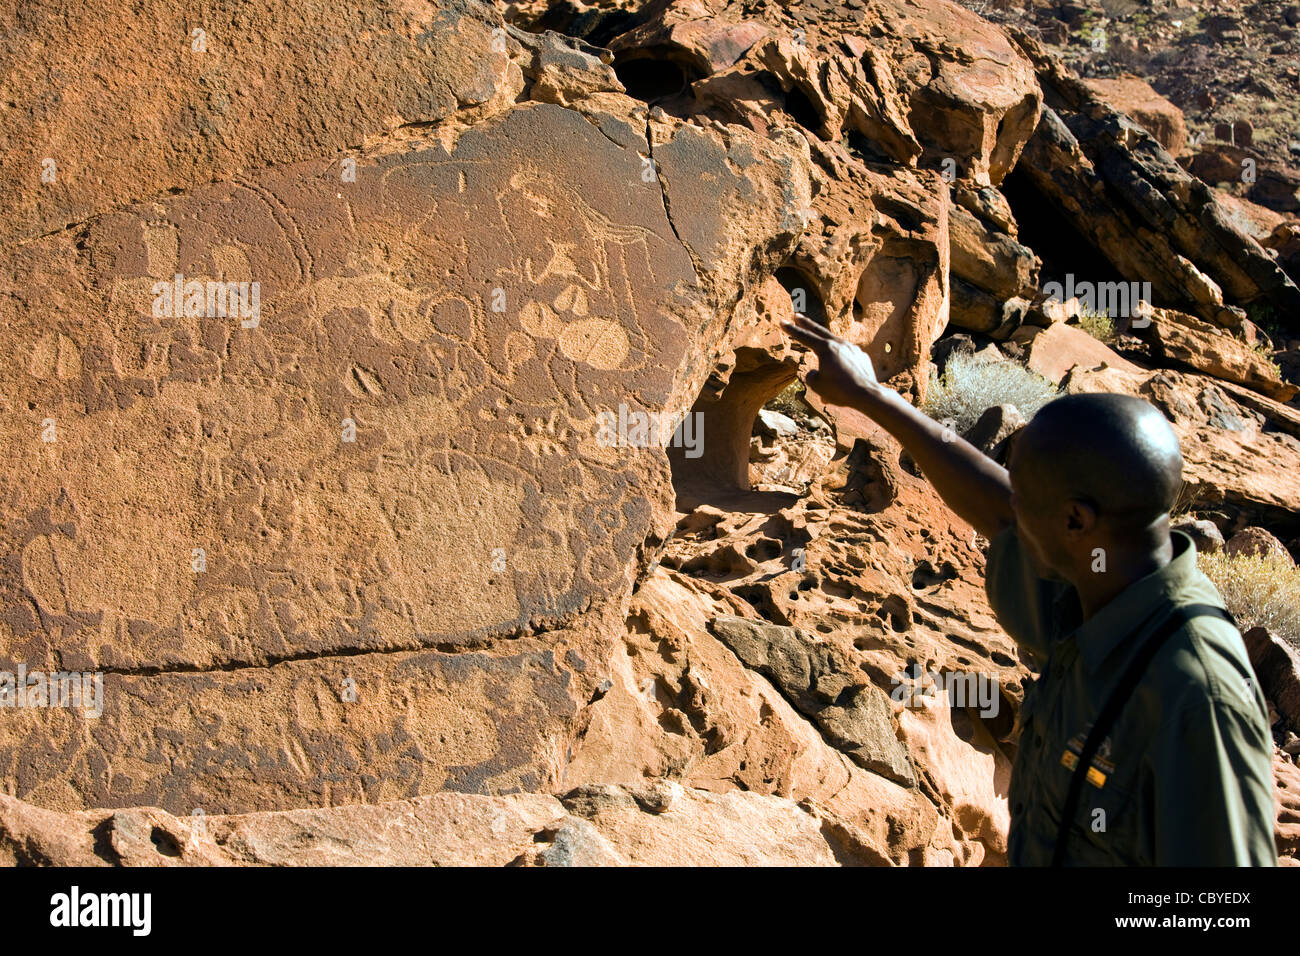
(970, 483)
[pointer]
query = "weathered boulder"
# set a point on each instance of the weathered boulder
(1205, 534)
(989, 259)
(978, 108)
(993, 432)
(1219, 163)
(1134, 96)
(1053, 351)
(1181, 338)
(1257, 542)
(1254, 220)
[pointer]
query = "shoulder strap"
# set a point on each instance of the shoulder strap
(1115, 703)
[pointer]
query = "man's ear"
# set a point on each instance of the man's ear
(1080, 517)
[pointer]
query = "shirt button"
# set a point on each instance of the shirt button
(1018, 807)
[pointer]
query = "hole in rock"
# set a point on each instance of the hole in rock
(764, 549)
(710, 464)
(164, 842)
(895, 611)
(803, 293)
(803, 111)
(792, 444)
(652, 76)
(867, 149)
(761, 600)
(926, 575)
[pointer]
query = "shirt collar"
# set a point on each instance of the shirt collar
(1099, 636)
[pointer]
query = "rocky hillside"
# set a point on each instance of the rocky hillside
(344, 350)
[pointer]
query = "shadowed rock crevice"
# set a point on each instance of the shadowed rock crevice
(652, 75)
(727, 422)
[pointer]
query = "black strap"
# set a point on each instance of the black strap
(1115, 703)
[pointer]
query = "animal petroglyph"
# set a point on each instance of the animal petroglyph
(350, 552)
(470, 422)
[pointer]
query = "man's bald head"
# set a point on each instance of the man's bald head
(1115, 453)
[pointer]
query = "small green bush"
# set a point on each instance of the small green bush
(969, 385)
(1098, 324)
(1259, 590)
(1266, 353)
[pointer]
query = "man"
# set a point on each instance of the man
(1083, 570)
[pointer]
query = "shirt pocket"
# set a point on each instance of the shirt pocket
(1103, 831)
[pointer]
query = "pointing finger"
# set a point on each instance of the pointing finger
(808, 333)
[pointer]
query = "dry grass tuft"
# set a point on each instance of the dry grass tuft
(968, 386)
(1260, 590)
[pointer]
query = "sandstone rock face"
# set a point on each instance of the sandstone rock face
(857, 719)
(209, 102)
(378, 531)
(356, 534)
(881, 78)
(389, 450)
(1287, 787)
(596, 826)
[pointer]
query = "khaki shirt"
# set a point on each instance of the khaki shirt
(1186, 773)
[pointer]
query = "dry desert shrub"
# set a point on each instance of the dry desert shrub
(970, 385)
(1097, 324)
(1260, 590)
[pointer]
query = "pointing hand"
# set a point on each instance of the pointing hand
(844, 371)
